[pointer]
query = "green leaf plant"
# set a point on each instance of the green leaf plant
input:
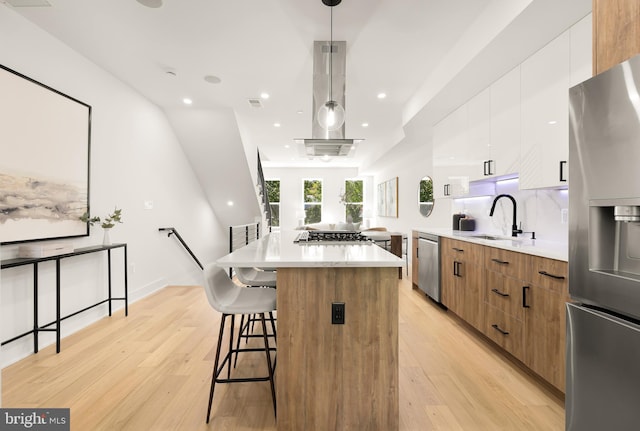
(109, 221)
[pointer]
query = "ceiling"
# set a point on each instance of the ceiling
(257, 46)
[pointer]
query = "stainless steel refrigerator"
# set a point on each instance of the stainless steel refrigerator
(603, 322)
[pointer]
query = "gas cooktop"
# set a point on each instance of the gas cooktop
(327, 237)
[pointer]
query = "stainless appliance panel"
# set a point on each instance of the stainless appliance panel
(603, 372)
(604, 151)
(429, 265)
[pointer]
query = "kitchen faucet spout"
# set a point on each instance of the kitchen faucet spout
(514, 227)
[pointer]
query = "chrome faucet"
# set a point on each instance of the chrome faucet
(514, 227)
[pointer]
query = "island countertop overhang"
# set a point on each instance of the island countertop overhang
(278, 250)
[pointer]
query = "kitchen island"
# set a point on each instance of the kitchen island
(332, 376)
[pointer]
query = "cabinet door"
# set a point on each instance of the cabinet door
(545, 335)
(470, 293)
(505, 124)
(581, 51)
(544, 147)
(451, 171)
(479, 135)
(617, 32)
(545, 320)
(414, 259)
(448, 281)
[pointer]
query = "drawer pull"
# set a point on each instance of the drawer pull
(496, 291)
(557, 277)
(524, 297)
(458, 249)
(456, 268)
(501, 262)
(497, 328)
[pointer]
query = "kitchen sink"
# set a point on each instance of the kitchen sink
(492, 237)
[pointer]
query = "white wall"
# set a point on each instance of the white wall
(135, 157)
(291, 185)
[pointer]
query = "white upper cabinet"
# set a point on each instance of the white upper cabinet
(451, 167)
(544, 146)
(581, 51)
(478, 152)
(505, 124)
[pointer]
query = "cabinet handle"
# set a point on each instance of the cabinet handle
(557, 277)
(446, 190)
(497, 328)
(563, 163)
(524, 297)
(457, 249)
(456, 268)
(501, 262)
(487, 167)
(496, 291)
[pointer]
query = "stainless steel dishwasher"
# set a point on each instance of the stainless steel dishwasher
(429, 265)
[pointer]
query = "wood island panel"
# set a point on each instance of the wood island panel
(616, 32)
(337, 376)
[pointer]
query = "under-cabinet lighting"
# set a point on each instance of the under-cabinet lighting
(473, 198)
(508, 181)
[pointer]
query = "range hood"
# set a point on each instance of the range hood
(323, 142)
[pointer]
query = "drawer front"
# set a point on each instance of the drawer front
(504, 293)
(506, 262)
(463, 251)
(505, 330)
(550, 274)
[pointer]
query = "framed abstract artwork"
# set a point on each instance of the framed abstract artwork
(44, 168)
(387, 198)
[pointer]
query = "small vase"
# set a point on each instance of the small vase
(106, 239)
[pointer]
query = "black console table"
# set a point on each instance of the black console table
(12, 263)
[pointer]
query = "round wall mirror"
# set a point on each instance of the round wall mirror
(425, 196)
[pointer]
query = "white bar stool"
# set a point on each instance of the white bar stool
(230, 299)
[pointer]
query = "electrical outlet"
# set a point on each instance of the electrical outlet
(564, 216)
(337, 313)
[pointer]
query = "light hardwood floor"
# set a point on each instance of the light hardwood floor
(152, 369)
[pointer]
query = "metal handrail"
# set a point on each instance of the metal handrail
(265, 197)
(173, 231)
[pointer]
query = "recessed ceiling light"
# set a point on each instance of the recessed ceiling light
(365, 124)
(211, 79)
(187, 101)
(300, 111)
(276, 124)
(326, 158)
(552, 122)
(230, 203)
(287, 146)
(382, 95)
(264, 95)
(150, 3)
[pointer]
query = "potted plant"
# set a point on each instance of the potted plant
(109, 221)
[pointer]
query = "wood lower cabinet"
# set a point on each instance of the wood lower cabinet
(461, 276)
(545, 319)
(517, 300)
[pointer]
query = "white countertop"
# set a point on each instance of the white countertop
(277, 250)
(521, 244)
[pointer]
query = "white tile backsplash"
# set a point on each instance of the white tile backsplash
(538, 210)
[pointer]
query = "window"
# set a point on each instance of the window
(352, 200)
(273, 193)
(312, 201)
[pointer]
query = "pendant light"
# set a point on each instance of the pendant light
(331, 115)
